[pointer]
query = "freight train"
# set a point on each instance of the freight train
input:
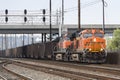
(85, 46)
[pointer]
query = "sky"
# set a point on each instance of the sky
(90, 14)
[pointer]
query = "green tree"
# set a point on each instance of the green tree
(114, 44)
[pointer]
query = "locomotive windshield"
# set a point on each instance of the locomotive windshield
(67, 38)
(86, 35)
(99, 35)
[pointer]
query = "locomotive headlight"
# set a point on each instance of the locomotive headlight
(94, 39)
(101, 49)
(90, 49)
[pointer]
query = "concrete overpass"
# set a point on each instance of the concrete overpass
(29, 29)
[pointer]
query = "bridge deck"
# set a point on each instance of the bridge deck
(28, 29)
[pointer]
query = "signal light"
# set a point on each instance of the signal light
(25, 19)
(44, 19)
(6, 11)
(6, 19)
(44, 11)
(25, 11)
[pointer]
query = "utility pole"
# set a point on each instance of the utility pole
(57, 23)
(103, 15)
(60, 26)
(50, 23)
(79, 16)
(62, 12)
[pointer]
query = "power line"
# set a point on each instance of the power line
(84, 6)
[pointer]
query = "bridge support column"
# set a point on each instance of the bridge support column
(32, 38)
(44, 37)
(23, 39)
(28, 39)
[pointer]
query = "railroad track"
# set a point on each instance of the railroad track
(62, 73)
(72, 71)
(2, 78)
(6, 74)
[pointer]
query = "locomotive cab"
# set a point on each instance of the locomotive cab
(94, 41)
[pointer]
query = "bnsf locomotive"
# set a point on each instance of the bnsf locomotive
(89, 46)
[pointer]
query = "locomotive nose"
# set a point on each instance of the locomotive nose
(96, 45)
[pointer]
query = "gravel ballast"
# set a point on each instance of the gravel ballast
(97, 73)
(33, 74)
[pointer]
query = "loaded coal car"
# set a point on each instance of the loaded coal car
(19, 52)
(49, 47)
(38, 50)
